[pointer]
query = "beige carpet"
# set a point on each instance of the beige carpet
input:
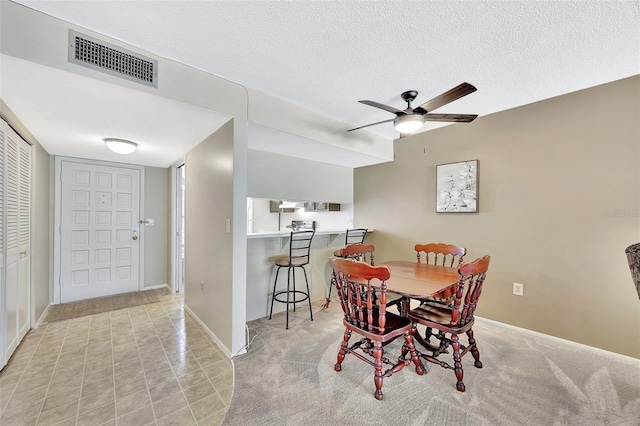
(99, 305)
(287, 378)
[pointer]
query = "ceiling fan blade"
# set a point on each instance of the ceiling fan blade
(372, 124)
(449, 96)
(391, 109)
(454, 118)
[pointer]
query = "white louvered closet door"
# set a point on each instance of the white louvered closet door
(15, 239)
(3, 294)
(24, 239)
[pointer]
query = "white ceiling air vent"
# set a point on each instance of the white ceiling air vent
(107, 58)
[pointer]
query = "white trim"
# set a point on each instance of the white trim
(57, 219)
(173, 274)
(176, 231)
(156, 286)
(42, 317)
(209, 332)
(141, 228)
(598, 351)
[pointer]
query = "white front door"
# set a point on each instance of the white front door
(99, 230)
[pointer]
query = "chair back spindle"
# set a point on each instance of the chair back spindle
(360, 252)
(440, 254)
(468, 291)
(356, 294)
(472, 276)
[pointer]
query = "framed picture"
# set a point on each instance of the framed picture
(457, 187)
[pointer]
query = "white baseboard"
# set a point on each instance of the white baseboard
(599, 351)
(42, 317)
(157, 286)
(209, 332)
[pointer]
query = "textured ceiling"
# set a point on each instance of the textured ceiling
(327, 55)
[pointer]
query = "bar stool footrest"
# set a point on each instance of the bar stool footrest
(292, 292)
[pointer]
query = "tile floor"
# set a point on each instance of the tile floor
(146, 365)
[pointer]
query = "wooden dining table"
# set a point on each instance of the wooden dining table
(413, 280)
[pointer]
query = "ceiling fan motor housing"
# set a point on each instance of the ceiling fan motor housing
(409, 95)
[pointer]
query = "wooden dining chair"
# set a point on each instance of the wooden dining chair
(360, 252)
(355, 282)
(352, 236)
(356, 251)
(298, 257)
(452, 320)
(441, 254)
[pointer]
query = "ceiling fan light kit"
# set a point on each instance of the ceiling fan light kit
(121, 146)
(409, 123)
(411, 119)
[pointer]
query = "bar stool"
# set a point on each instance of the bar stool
(352, 236)
(299, 248)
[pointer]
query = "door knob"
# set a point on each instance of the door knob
(23, 253)
(134, 235)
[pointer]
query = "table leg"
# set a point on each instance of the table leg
(404, 306)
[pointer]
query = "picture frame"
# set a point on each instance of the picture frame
(457, 187)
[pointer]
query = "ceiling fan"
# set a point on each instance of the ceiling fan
(412, 119)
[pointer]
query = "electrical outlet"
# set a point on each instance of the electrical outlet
(518, 289)
(228, 225)
(202, 286)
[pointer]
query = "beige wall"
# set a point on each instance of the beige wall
(559, 202)
(157, 207)
(208, 247)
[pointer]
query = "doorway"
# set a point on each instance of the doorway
(98, 235)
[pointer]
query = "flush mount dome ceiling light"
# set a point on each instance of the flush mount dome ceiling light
(120, 146)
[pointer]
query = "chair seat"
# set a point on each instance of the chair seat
(432, 311)
(445, 297)
(395, 326)
(296, 261)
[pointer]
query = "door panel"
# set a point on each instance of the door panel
(12, 242)
(15, 217)
(4, 354)
(99, 235)
(24, 240)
